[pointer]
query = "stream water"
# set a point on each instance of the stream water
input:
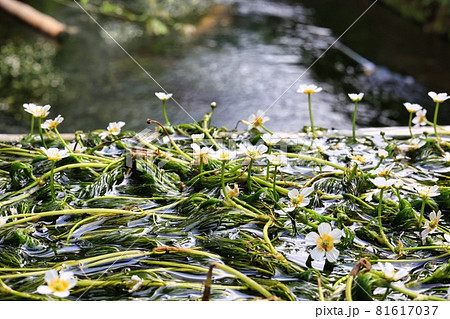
(254, 59)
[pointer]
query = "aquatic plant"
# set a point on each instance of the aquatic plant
(201, 213)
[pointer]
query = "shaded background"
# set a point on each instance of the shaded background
(241, 54)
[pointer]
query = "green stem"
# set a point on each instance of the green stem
(249, 176)
(380, 223)
(62, 141)
(348, 288)
(311, 115)
(40, 132)
(414, 295)
(274, 186)
(32, 126)
(354, 122)
(222, 179)
(52, 186)
(409, 124)
(248, 281)
(422, 209)
(436, 110)
(266, 129)
(165, 113)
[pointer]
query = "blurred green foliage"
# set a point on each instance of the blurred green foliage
(158, 16)
(434, 15)
(27, 73)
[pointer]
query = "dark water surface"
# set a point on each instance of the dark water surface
(245, 64)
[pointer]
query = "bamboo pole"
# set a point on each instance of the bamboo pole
(33, 17)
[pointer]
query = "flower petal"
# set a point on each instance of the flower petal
(45, 290)
(312, 238)
(324, 228)
(337, 234)
(332, 255)
(50, 275)
(317, 254)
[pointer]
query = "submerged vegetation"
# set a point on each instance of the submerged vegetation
(193, 212)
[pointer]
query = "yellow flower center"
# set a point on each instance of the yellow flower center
(58, 285)
(359, 158)
(258, 122)
(297, 200)
(309, 91)
(384, 173)
(325, 243)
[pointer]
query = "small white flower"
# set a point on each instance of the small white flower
(253, 152)
(431, 224)
(308, 89)
(54, 154)
(52, 124)
(361, 159)
(135, 283)
(438, 97)
(113, 128)
(36, 110)
(270, 139)
(224, 155)
(427, 192)
(382, 170)
(447, 237)
(298, 199)
(76, 148)
(324, 241)
(412, 108)
(277, 160)
(421, 118)
(382, 153)
(3, 220)
(256, 120)
(382, 183)
(389, 272)
(58, 285)
(201, 155)
(197, 137)
(320, 146)
(356, 97)
(163, 96)
(232, 192)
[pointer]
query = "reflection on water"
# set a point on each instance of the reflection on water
(250, 63)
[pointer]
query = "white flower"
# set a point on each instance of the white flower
(277, 160)
(447, 237)
(390, 273)
(75, 147)
(201, 155)
(427, 192)
(197, 137)
(320, 146)
(163, 96)
(113, 128)
(135, 283)
(382, 153)
(431, 224)
(421, 118)
(308, 89)
(255, 121)
(382, 183)
(383, 170)
(324, 241)
(356, 97)
(3, 220)
(58, 285)
(224, 155)
(359, 159)
(52, 124)
(441, 97)
(270, 139)
(412, 108)
(36, 110)
(298, 199)
(232, 192)
(253, 151)
(54, 154)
